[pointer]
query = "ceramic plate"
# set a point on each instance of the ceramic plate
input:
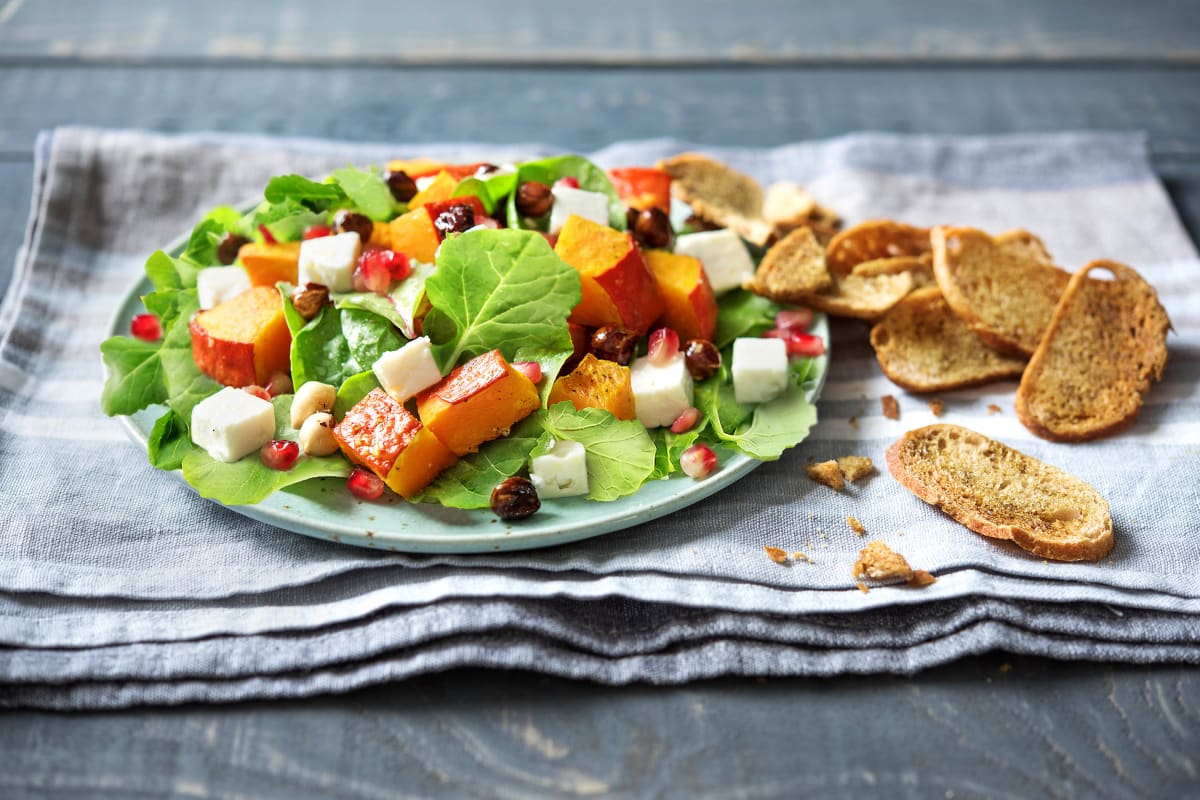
(322, 508)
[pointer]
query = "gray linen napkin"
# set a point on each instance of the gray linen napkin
(118, 586)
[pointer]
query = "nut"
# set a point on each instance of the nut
(702, 358)
(612, 343)
(309, 299)
(316, 434)
(311, 398)
(652, 229)
(515, 498)
(534, 199)
(403, 187)
(455, 219)
(361, 224)
(227, 249)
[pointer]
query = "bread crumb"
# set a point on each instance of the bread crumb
(855, 525)
(937, 407)
(862, 587)
(798, 556)
(921, 578)
(776, 554)
(994, 409)
(855, 467)
(828, 473)
(891, 409)
(854, 423)
(879, 562)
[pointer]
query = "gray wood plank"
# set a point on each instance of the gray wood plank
(614, 31)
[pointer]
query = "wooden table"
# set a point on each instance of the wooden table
(713, 73)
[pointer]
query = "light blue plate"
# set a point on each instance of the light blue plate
(324, 509)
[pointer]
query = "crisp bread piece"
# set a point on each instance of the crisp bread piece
(828, 473)
(921, 268)
(787, 206)
(856, 525)
(855, 467)
(1005, 288)
(1105, 344)
(875, 239)
(776, 554)
(891, 408)
(793, 268)
(878, 562)
(719, 194)
(923, 346)
(1000, 492)
(866, 297)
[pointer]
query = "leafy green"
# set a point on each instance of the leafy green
(353, 389)
(773, 427)
(169, 441)
(286, 220)
(548, 170)
(474, 187)
(401, 305)
(320, 351)
(201, 249)
(368, 192)
(368, 335)
(668, 447)
(135, 376)
(303, 190)
(469, 483)
(742, 313)
(620, 453)
(169, 273)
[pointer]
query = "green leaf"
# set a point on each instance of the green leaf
(741, 313)
(368, 335)
(777, 425)
(502, 289)
(286, 220)
(620, 453)
(548, 170)
(469, 483)
(368, 192)
(135, 376)
(320, 351)
(668, 447)
(201, 249)
(353, 389)
(186, 384)
(474, 187)
(169, 441)
(167, 273)
(302, 190)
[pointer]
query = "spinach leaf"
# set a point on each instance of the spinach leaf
(353, 389)
(773, 427)
(320, 351)
(742, 313)
(368, 192)
(201, 249)
(620, 453)
(668, 447)
(548, 170)
(169, 273)
(368, 335)
(286, 220)
(469, 482)
(302, 190)
(474, 187)
(169, 441)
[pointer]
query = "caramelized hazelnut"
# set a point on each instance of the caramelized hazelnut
(515, 498)
(613, 343)
(402, 187)
(309, 299)
(534, 199)
(352, 221)
(702, 358)
(652, 229)
(227, 249)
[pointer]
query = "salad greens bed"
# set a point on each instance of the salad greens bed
(503, 288)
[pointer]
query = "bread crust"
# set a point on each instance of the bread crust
(874, 239)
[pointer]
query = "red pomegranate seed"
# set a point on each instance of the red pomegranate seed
(794, 319)
(568, 181)
(279, 454)
(146, 327)
(373, 272)
(398, 265)
(686, 420)
(280, 383)
(530, 369)
(257, 391)
(317, 231)
(663, 346)
(698, 461)
(804, 345)
(364, 484)
(268, 237)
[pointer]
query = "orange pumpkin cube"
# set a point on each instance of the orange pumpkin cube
(477, 402)
(690, 307)
(618, 288)
(244, 340)
(439, 189)
(597, 383)
(269, 263)
(381, 435)
(413, 234)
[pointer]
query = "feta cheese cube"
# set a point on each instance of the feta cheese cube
(581, 203)
(404, 372)
(329, 260)
(232, 423)
(660, 393)
(726, 261)
(760, 369)
(560, 473)
(215, 285)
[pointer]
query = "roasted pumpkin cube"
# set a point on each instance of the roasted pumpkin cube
(384, 437)
(690, 308)
(413, 234)
(269, 263)
(477, 402)
(440, 188)
(618, 287)
(597, 383)
(244, 340)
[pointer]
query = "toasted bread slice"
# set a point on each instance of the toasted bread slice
(719, 194)
(867, 241)
(861, 297)
(1106, 342)
(922, 346)
(787, 206)
(1005, 287)
(1000, 492)
(920, 266)
(792, 268)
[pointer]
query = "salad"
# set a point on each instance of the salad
(468, 335)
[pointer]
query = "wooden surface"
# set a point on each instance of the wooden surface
(710, 72)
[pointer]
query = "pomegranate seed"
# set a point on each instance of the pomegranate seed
(794, 319)
(398, 265)
(146, 327)
(698, 461)
(268, 237)
(568, 181)
(280, 383)
(686, 420)
(258, 392)
(530, 369)
(317, 231)
(279, 454)
(364, 484)
(805, 345)
(663, 346)
(373, 272)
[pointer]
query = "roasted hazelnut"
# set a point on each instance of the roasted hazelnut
(309, 299)
(613, 343)
(361, 224)
(534, 199)
(631, 215)
(652, 229)
(227, 249)
(515, 498)
(403, 187)
(702, 358)
(455, 219)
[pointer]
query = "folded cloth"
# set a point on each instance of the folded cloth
(119, 586)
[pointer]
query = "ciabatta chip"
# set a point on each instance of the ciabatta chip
(867, 241)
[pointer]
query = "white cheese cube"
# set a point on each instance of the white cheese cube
(215, 285)
(329, 260)
(726, 261)
(660, 394)
(424, 181)
(581, 203)
(760, 369)
(232, 423)
(404, 372)
(560, 473)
